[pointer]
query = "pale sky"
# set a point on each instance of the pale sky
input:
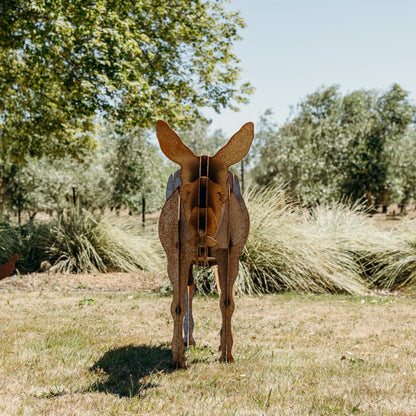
(290, 48)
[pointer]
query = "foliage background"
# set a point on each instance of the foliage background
(355, 146)
(81, 87)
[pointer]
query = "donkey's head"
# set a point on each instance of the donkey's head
(204, 187)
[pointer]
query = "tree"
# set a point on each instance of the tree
(303, 153)
(336, 145)
(372, 122)
(20, 183)
(45, 184)
(134, 168)
(62, 62)
(200, 141)
(401, 170)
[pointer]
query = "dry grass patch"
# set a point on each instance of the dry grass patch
(91, 353)
(84, 282)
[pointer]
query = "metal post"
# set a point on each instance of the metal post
(143, 211)
(74, 196)
(242, 176)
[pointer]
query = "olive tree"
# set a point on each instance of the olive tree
(336, 146)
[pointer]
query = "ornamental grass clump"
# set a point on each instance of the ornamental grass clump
(396, 264)
(387, 258)
(288, 249)
(29, 241)
(8, 242)
(83, 242)
(355, 234)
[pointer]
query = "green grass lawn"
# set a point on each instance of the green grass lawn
(96, 353)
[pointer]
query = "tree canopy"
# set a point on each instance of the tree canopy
(63, 62)
(200, 141)
(337, 145)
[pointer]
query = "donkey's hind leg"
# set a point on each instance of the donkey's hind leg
(178, 309)
(227, 273)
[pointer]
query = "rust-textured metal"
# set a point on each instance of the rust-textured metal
(204, 221)
(7, 269)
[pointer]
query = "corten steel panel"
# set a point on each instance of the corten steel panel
(8, 268)
(204, 221)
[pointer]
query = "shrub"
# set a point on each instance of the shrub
(328, 249)
(396, 263)
(289, 249)
(78, 241)
(83, 242)
(30, 241)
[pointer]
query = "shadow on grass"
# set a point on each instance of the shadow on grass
(130, 371)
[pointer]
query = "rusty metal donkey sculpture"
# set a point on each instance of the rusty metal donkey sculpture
(205, 222)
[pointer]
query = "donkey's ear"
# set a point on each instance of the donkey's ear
(172, 145)
(237, 147)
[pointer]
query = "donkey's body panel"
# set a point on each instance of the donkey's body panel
(204, 221)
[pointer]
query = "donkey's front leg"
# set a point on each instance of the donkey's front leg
(178, 309)
(227, 275)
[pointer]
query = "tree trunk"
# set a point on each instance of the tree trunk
(368, 199)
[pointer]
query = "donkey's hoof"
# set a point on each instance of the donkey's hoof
(191, 343)
(179, 364)
(225, 359)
